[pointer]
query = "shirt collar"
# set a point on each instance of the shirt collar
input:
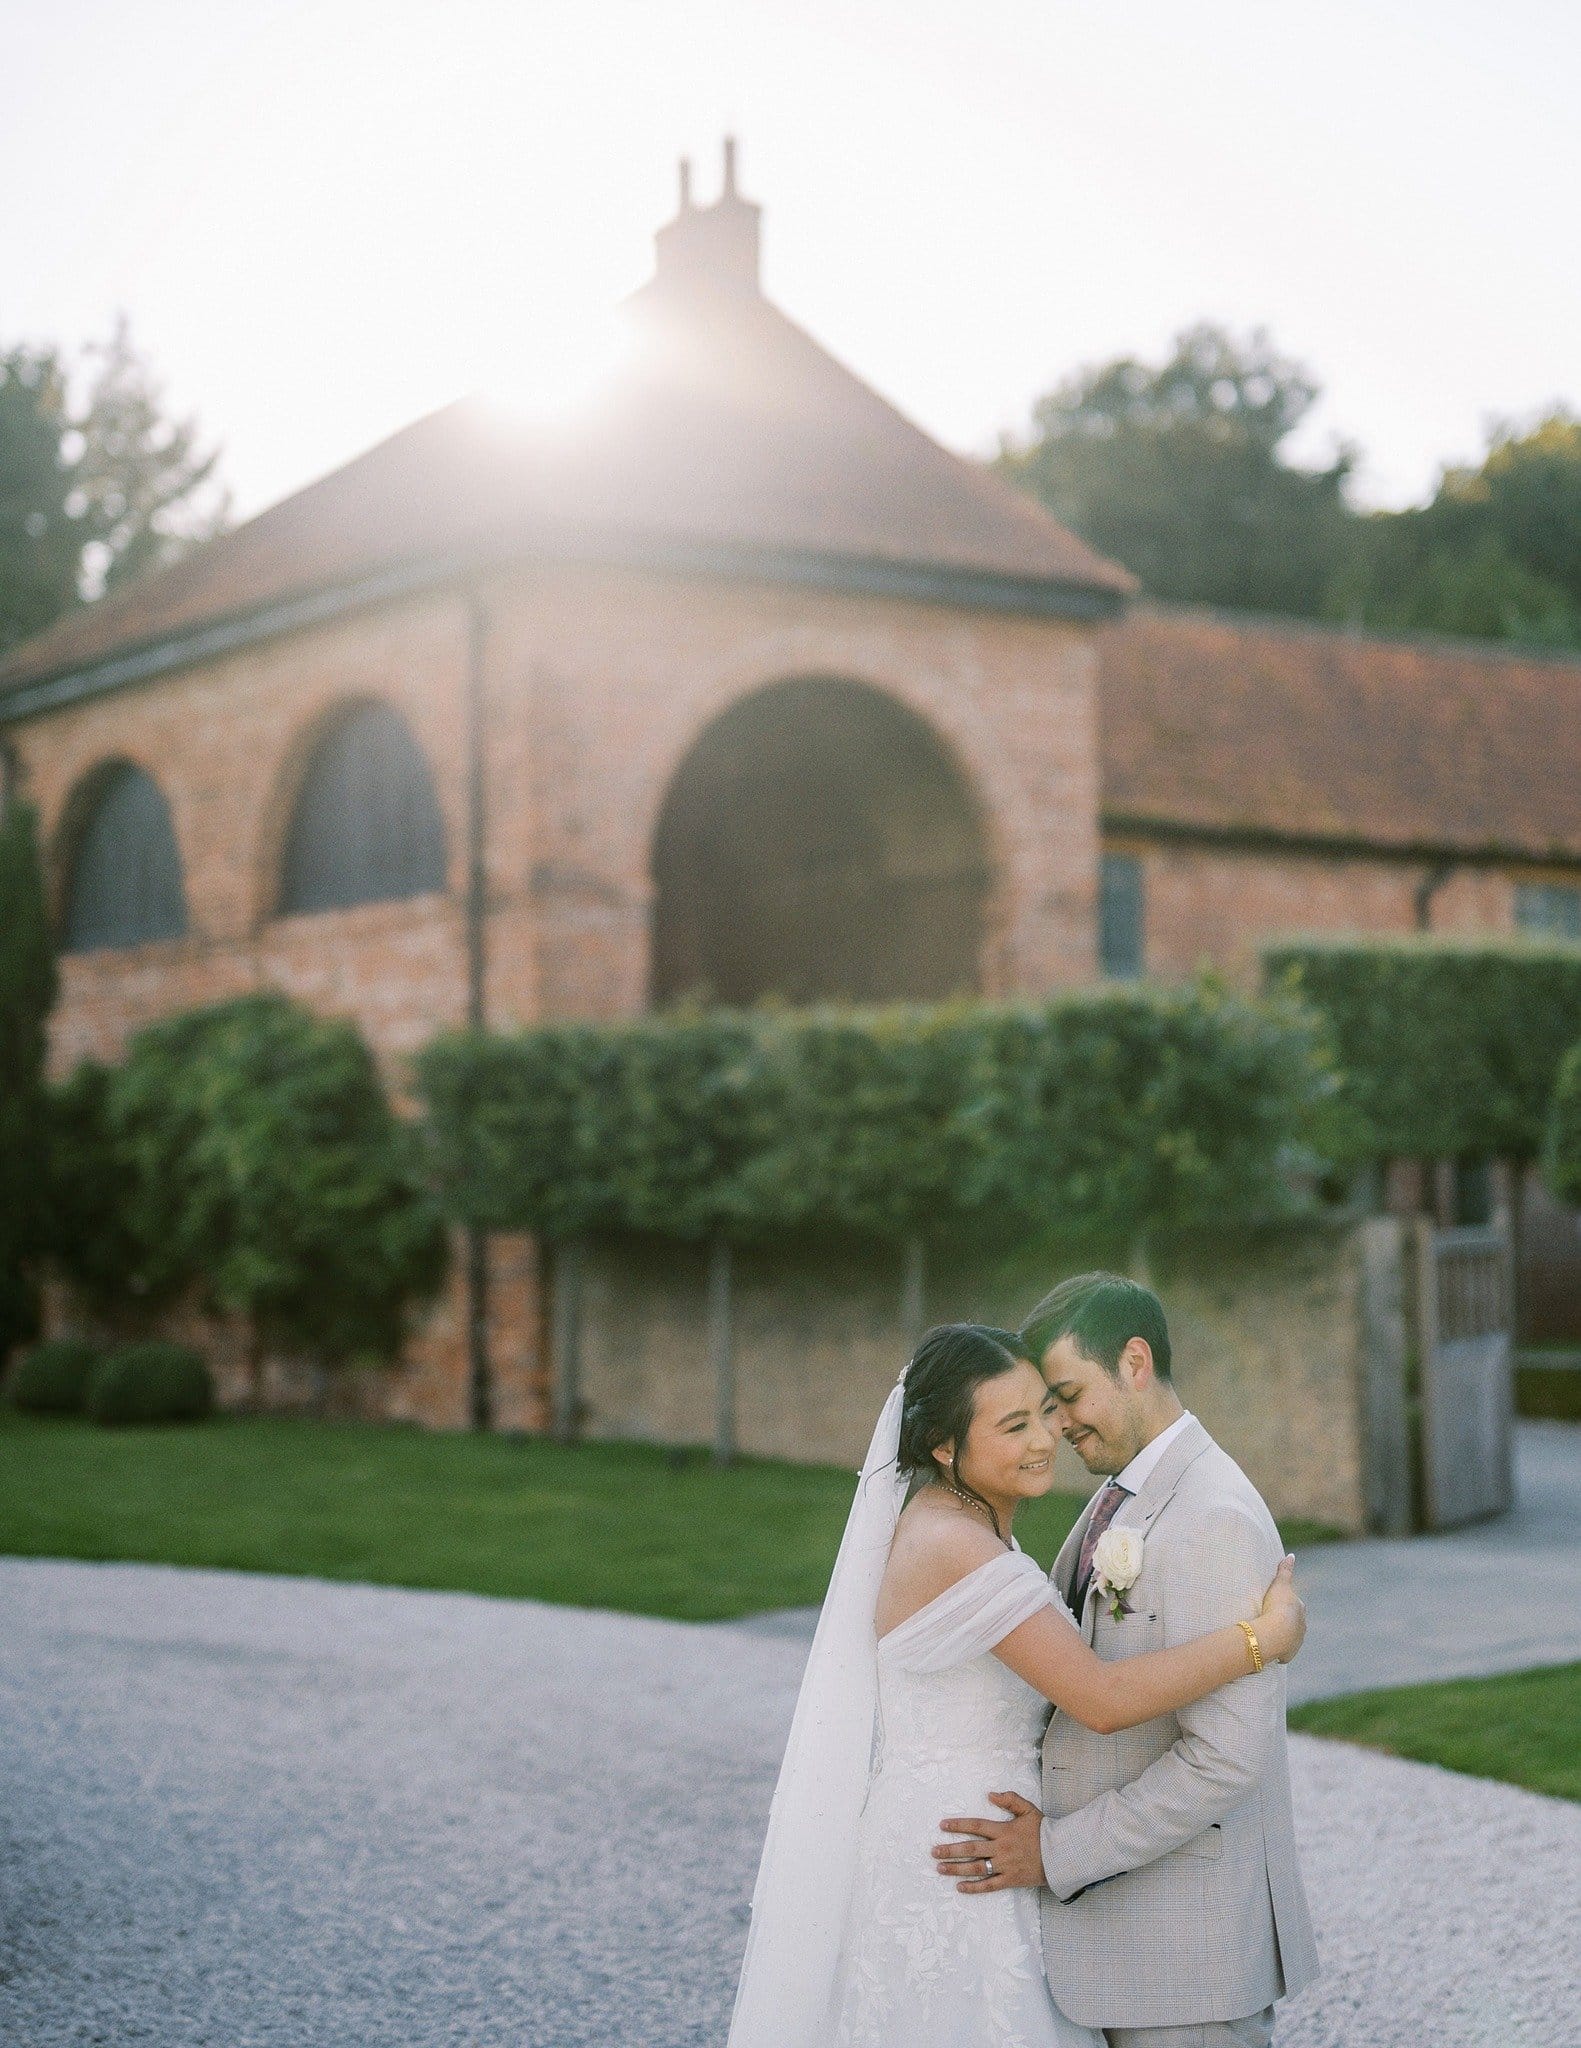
(1140, 1470)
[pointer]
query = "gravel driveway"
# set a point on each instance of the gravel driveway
(239, 1811)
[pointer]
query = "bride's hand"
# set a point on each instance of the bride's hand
(1282, 1624)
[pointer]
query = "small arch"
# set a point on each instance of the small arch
(123, 881)
(819, 842)
(366, 825)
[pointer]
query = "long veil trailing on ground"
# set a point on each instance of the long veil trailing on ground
(788, 1978)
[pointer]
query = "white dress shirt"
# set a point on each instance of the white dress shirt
(1136, 1474)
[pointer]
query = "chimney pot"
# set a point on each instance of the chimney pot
(686, 184)
(730, 167)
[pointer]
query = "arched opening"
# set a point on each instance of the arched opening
(366, 826)
(818, 843)
(123, 880)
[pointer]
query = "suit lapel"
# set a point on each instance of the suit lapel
(1143, 1509)
(1064, 1572)
(1139, 1511)
(1089, 1608)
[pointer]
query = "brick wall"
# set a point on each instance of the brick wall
(1221, 904)
(596, 684)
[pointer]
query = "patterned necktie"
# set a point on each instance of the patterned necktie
(1104, 1511)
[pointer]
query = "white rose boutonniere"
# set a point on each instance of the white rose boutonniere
(1116, 1567)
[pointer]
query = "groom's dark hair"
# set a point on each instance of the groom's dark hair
(1103, 1312)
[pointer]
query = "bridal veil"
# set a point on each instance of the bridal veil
(789, 1975)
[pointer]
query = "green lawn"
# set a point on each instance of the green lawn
(1525, 1729)
(645, 1530)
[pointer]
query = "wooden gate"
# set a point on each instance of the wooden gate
(1466, 1348)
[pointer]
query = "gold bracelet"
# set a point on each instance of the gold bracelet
(1250, 1634)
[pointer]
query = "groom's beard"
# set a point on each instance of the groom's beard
(1098, 1456)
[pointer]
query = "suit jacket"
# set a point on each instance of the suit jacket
(1174, 1895)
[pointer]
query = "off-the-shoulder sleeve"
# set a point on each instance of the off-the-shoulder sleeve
(970, 1617)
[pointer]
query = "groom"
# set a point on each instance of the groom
(1173, 1909)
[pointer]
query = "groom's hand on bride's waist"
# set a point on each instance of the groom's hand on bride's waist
(993, 1855)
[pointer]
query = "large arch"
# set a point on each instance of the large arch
(122, 883)
(365, 825)
(818, 842)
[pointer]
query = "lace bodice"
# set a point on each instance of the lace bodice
(940, 1694)
(926, 1966)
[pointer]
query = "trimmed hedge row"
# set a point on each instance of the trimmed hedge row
(1121, 1110)
(136, 1383)
(1446, 1049)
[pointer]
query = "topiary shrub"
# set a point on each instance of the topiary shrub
(150, 1383)
(52, 1379)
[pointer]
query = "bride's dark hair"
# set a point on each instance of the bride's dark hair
(946, 1369)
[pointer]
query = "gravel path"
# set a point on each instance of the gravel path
(255, 1813)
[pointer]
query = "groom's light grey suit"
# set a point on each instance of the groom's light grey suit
(1174, 1899)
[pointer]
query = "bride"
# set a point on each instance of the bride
(940, 1647)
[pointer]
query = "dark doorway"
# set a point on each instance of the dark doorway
(818, 843)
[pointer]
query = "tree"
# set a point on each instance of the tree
(1177, 471)
(247, 1153)
(307, 1203)
(40, 542)
(27, 990)
(97, 482)
(1495, 554)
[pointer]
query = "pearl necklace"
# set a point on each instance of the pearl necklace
(971, 1501)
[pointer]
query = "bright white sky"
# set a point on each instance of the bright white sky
(326, 217)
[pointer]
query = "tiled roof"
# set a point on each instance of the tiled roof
(1259, 728)
(729, 428)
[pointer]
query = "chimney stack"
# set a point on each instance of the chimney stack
(710, 246)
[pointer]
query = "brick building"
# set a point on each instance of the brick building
(737, 683)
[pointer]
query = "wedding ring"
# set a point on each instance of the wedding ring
(988, 1866)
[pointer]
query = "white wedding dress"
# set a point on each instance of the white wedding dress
(856, 1941)
(923, 1965)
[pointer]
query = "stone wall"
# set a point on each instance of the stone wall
(1276, 1343)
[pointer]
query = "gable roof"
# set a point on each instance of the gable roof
(1273, 730)
(730, 443)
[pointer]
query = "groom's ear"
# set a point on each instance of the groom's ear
(1136, 1364)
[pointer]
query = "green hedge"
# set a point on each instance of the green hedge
(1562, 1141)
(1446, 1049)
(52, 1378)
(1548, 1393)
(1112, 1112)
(150, 1383)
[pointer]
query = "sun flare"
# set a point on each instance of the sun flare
(554, 372)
